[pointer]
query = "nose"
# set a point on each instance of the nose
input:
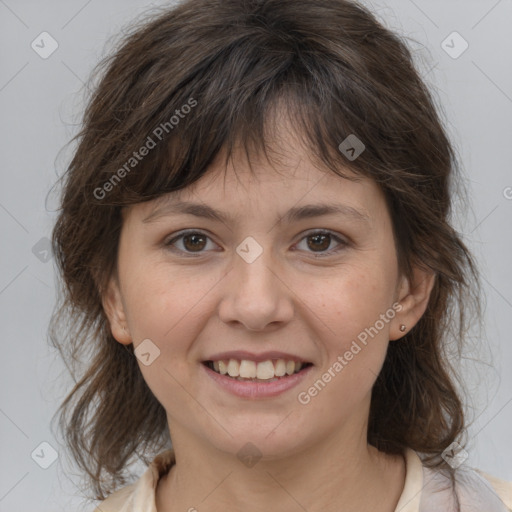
(256, 295)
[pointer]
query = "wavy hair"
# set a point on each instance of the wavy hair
(338, 71)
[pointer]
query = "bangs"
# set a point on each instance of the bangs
(236, 99)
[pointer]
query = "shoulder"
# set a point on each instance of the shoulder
(139, 496)
(464, 489)
(119, 501)
(503, 488)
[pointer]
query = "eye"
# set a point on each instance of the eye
(195, 242)
(191, 242)
(319, 241)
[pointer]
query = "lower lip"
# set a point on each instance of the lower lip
(252, 389)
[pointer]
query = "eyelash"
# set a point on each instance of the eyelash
(342, 243)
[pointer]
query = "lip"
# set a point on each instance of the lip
(256, 390)
(263, 356)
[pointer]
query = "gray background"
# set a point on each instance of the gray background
(40, 101)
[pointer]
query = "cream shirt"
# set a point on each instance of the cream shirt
(425, 490)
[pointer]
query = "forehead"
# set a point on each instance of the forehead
(286, 164)
(273, 197)
(282, 177)
(263, 181)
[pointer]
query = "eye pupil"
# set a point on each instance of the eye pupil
(323, 238)
(194, 245)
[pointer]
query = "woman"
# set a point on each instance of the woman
(257, 257)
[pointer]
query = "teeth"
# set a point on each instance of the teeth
(248, 369)
(233, 368)
(263, 370)
(223, 367)
(280, 368)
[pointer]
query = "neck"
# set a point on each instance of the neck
(338, 473)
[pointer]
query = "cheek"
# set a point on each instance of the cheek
(355, 309)
(159, 301)
(353, 299)
(164, 307)
(355, 339)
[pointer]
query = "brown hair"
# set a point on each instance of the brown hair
(338, 72)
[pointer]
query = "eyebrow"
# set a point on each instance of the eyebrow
(292, 215)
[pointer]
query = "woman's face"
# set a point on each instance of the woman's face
(263, 285)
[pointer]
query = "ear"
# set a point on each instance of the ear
(115, 311)
(413, 295)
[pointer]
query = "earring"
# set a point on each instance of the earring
(403, 327)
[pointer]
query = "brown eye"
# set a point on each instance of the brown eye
(319, 242)
(194, 242)
(189, 242)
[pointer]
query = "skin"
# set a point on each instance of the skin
(315, 457)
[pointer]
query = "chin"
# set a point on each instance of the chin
(260, 441)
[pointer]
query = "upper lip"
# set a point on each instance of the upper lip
(262, 356)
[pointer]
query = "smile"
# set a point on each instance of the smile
(250, 379)
(245, 369)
